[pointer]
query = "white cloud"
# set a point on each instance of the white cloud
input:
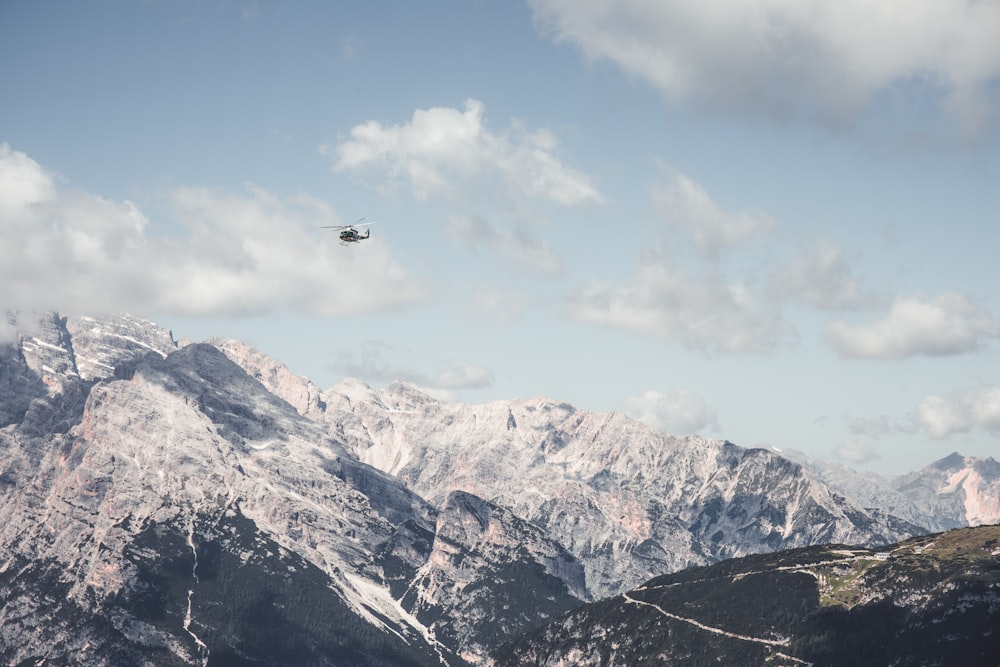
(679, 412)
(950, 324)
(368, 365)
(822, 279)
(700, 312)
(857, 451)
(685, 205)
(814, 59)
(23, 183)
(442, 151)
(961, 412)
(519, 242)
(246, 253)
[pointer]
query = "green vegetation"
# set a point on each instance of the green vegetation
(934, 600)
(842, 584)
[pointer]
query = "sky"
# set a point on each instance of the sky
(768, 222)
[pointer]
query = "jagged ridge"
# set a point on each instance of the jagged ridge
(129, 461)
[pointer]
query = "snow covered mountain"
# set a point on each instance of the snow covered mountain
(195, 503)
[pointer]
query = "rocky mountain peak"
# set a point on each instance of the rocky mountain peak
(626, 500)
(950, 462)
(48, 352)
(100, 344)
(953, 492)
(297, 390)
(402, 395)
(166, 468)
(144, 482)
(62, 349)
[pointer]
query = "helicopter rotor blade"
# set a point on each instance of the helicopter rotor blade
(355, 224)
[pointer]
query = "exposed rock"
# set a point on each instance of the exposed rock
(628, 501)
(495, 574)
(159, 502)
(187, 449)
(954, 492)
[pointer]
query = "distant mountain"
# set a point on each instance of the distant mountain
(167, 502)
(932, 600)
(962, 490)
(628, 501)
(953, 492)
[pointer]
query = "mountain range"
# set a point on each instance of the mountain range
(930, 600)
(166, 502)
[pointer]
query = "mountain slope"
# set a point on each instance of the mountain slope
(932, 600)
(953, 492)
(960, 489)
(180, 503)
(626, 500)
(122, 496)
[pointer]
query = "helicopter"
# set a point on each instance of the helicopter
(348, 233)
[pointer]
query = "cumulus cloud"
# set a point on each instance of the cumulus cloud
(961, 412)
(685, 205)
(23, 184)
(228, 253)
(679, 412)
(698, 311)
(369, 365)
(950, 324)
(826, 61)
(499, 182)
(442, 150)
(822, 278)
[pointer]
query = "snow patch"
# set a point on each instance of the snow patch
(365, 596)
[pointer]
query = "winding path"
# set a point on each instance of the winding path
(718, 631)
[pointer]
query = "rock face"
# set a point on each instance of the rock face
(629, 502)
(496, 573)
(197, 503)
(298, 391)
(100, 345)
(957, 490)
(173, 510)
(954, 492)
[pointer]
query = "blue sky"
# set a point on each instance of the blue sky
(767, 222)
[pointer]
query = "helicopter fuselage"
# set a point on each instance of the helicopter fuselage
(352, 235)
